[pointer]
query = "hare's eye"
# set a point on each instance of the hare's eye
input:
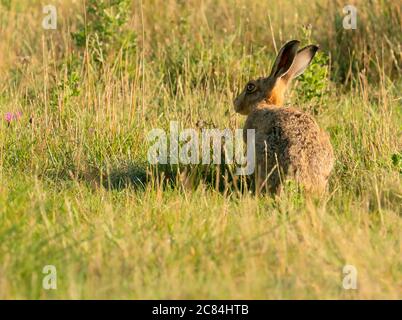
(251, 87)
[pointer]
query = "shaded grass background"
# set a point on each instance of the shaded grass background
(76, 191)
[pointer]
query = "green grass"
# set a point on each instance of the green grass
(76, 191)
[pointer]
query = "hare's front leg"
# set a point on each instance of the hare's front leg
(267, 177)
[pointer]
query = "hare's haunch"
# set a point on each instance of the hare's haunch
(288, 142)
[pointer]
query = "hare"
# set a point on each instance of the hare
(288, 142)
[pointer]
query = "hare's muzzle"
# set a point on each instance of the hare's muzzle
(240, 106)
(237, 104)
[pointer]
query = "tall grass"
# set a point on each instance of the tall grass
(76, 190)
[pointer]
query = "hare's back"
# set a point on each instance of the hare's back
(293, 137)
(283, 123)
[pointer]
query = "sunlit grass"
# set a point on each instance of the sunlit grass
(76, 191)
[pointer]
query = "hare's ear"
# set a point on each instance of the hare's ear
(301, 62)
(285, 59)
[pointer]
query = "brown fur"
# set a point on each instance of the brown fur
(277, 94)
(288, 142)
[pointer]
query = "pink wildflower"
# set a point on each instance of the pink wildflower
(9, 116)
(13, 116)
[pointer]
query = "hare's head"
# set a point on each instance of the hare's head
(289, 64)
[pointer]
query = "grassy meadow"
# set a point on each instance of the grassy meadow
(77, 192)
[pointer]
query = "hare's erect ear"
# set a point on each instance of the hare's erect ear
(285, 59)
(301, 62)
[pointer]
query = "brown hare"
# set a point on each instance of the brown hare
(288, 142)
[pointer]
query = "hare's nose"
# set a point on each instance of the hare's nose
(235, 101)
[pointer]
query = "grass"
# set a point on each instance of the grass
(76, 191)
